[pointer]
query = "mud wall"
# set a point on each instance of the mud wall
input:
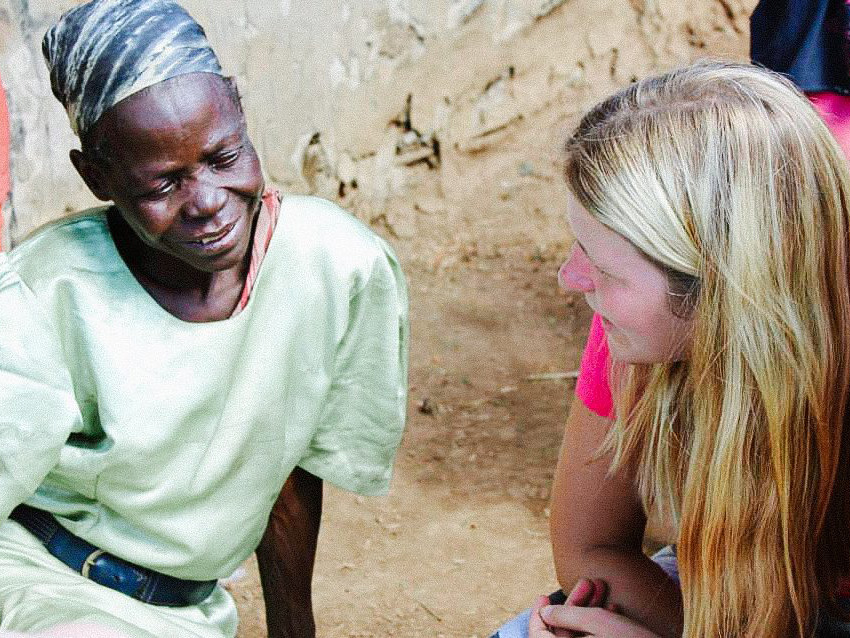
(436, 121)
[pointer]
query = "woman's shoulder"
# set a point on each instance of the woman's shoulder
(314, 215)
(316, 227)
(317, 240)
(78, 242)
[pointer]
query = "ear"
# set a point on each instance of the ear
(93, 174)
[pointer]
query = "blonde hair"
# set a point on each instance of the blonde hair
(724, 176)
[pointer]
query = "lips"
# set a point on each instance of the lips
(209, 238)
(213, 244)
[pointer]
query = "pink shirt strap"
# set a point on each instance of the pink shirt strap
(263, 231)
(592, 386)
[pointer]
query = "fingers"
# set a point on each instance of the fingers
(536, 627)
(581, 593)
(539, 629)
(600, 593)
(588, 592)
(584, 619)
(594, 621)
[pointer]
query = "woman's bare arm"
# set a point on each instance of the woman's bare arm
(597, 526)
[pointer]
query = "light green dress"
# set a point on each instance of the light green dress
(183, 433)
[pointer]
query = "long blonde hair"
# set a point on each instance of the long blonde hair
(725, 177)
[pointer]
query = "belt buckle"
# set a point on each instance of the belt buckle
(89, 562)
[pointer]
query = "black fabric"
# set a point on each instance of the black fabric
(804, 39)
(830, 627)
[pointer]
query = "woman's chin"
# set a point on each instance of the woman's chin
(624, 351)
(219, 263)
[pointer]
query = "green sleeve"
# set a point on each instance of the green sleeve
(363, 418)
(38, 410)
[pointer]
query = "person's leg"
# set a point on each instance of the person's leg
(39, 594)
(829, 627)
(666, 560)
(516, 627)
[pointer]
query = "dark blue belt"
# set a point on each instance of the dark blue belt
(110, 571)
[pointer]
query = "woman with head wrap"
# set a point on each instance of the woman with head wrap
(229, 348)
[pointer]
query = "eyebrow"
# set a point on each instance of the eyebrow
(231, 138)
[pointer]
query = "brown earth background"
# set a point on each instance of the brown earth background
(436, 122)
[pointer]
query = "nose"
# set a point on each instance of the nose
(576, 272)
(206, 197)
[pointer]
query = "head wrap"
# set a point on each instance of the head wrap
(106, 50)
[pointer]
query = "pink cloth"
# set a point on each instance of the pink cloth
(263, 231)
(835, 110)
(592, 386)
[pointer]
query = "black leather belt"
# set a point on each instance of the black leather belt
(110, 571)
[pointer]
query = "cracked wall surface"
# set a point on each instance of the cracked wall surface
(436, 121)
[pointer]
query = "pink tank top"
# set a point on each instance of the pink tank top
(592, 386)
(835, 111)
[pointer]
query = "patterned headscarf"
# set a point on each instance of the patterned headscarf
(106, 50)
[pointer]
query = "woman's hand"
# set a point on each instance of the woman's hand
(539, 629)
(595, 622)
(588, 592)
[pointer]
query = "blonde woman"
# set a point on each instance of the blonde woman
(710, 210)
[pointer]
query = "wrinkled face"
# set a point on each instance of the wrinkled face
(182, 171)
(626, 289)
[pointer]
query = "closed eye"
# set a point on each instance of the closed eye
(162, 190)
(225, 159)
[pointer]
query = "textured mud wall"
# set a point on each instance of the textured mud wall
(436, 121)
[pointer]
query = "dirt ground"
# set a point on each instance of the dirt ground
(461, 542)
